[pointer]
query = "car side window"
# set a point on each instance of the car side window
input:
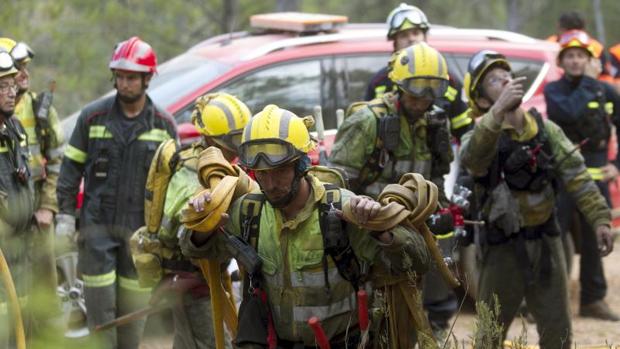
(294, 86)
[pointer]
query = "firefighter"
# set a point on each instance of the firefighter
(285, 223)
(414, 137)
(408, 25)
(220, 118)
(111, 149)
(16, 199)
(585, 109)
(45, 139)
(514, 157)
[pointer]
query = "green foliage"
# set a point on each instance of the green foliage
(73, 39)
(488, 331)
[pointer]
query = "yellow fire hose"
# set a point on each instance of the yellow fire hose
(410, 202)
(13, 302)
(224, 182)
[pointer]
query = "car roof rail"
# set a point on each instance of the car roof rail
(310, 40)
(489, 34)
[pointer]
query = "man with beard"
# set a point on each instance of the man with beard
(45, 138)
(111, 148)
(401, 132)
(515, 156)
(16, 198)
(302, 273)
(585, 108)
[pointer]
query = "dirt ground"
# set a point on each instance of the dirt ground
(586, 332)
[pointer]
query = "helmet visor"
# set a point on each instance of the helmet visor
(574, 35)
(414, 17)
(478, 61)
(21, 51)
(266, 153)
(6, 61)
(230, 141)
(425, 87)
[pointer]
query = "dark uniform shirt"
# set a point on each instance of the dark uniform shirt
(113, 154)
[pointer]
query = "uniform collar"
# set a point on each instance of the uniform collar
(530, 128)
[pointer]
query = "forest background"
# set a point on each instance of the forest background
(73, 39)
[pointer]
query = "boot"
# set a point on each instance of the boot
(598, 310)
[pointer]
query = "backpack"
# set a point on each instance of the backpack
(335, 240)
(166, 162)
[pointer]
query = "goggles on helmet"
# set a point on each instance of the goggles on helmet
(413, 16)
(425, 87)
(6, 61)
(266, 153)
(230, 141)
(577, 35)
(21, 51)
(478, 62)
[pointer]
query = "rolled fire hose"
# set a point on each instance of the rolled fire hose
(13, 302)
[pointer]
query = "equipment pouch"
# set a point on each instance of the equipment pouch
(253, 321)
(102, 165)
(389, 132)
(245, 254)
(504, 210)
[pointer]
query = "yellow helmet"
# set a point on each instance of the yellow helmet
(21, 52)
(222, 117)
(479, 64)
(7, 66)
(274, 137)
(420, 70)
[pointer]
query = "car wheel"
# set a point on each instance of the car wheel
(70, 290)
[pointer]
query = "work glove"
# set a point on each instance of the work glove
(65, 233)
(175, 286)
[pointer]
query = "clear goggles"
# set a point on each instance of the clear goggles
(414, 17)
(230, 141)
(6, 61)
(266, 153)
(425, 87)
(21, 51)
(479, 60)
(574, 35)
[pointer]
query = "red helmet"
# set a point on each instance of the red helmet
(134, 55)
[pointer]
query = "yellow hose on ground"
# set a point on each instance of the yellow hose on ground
(13, 302)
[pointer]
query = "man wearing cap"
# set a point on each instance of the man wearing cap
(586, 108)
(111, 148)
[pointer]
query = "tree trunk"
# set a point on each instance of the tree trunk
(514, 17)
(288, 5)
(228, 20)
(598, 21)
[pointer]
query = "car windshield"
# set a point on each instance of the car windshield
(181, 76)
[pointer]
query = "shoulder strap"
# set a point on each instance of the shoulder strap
(335, 239)
(249, 217)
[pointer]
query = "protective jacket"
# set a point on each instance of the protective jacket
(292, 254)
(585, 108)
(422, 147)
(16, 196)
(114, 168)
(451, 102)
(45, 140)
(535, 206)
